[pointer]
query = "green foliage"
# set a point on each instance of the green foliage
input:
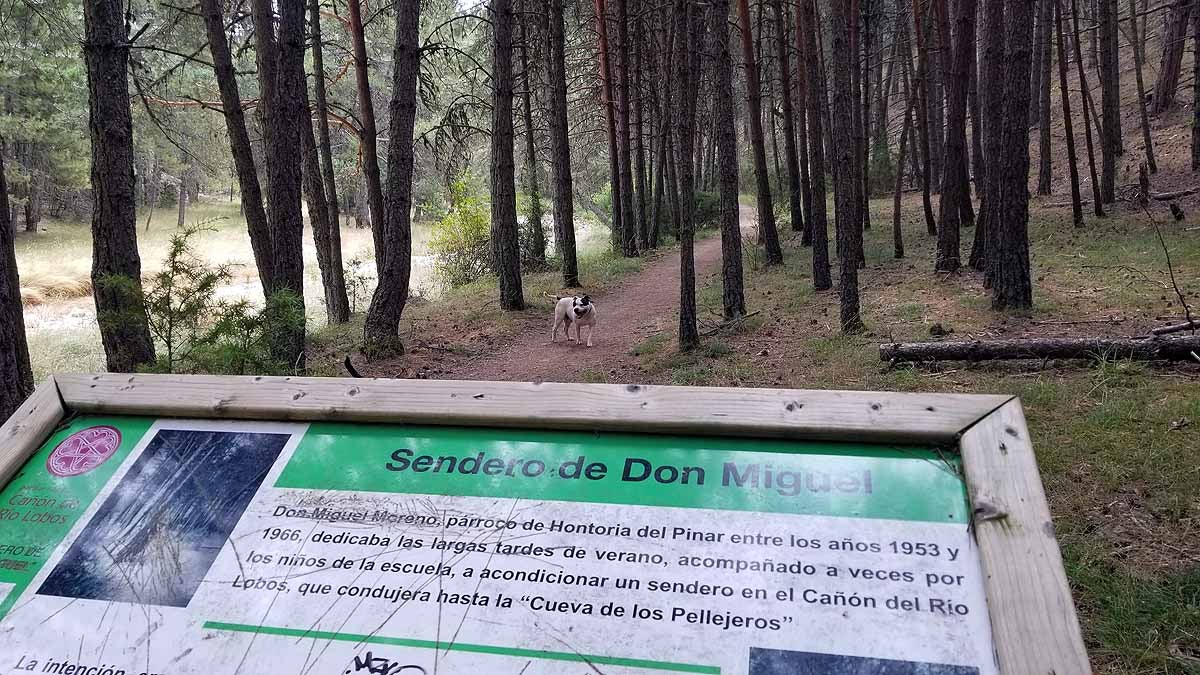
(708, 209)
(461, 242)
(883, 171)
(239, 341)
(180, 298)
(358, 284)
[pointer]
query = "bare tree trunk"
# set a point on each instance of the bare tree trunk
(116, 266)
(608, 100)
(977, 159)
(560, 144)
(624, 149)
(802, 118)
(724, 108)
(862, 131)
(991, 103)
(381, 330)
(1097, 202)
(284, 114)
(766, 212)
(1110, 96)
(506, 252)
(1196, 90)
(934, 88)
(687, 69)
(1044, 61)
(16, 377)
(1174, 38)
(846, 167)
(905, 132)
(337, 305)
(1068, 123)
(795, 193)
(807, 24)
(333, 282)
(1012, 287)
(181, 203)
(369, 133)
(239, 141)
(639, 102)
(533, 246)
(1138, 60)
(954, 187)
(923, 121)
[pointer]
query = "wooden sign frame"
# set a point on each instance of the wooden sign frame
(1033, 619)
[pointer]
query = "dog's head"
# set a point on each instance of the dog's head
(581, 305)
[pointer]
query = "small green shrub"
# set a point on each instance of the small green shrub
(708, 208)
(358, 284)
(461, 242)
(180, 298)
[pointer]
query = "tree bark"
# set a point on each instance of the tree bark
(1068, 123)
(846, 167)
(1097, 202)
(608, 100)
(935, 97)
(560, 145)
(1138, 60)
(369, 133)
(862, 130)
(1196, 91)
(381, 329)
(337, 306)
(897, 231)
(181, 202)
(795, 192)
(629, 225)
(923, 118)
(1044, 61)
(1146, 349)
(533, 248)
(1012, 287)
(239, 144)
(806, 24)
(639, 102)
(766, 211)
(16, 377)
(801, 112)
(687, 70)
(1174, 38)
(1110, 97)
(285, 113)
(954, 186)
(333, 282)
(506, 251)
(724, 108)
(116, 266)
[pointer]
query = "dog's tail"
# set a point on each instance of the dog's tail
(555, 298)
(350, 368)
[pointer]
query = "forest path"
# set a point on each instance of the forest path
(642, 305)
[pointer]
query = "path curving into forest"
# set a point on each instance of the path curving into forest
(642, 305)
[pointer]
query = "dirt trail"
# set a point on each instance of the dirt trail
(642, 305)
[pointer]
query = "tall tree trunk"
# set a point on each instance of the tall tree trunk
(724, 108)
(369, 133)
(533, 248)
(181, 203)
(505, 249)
(1012, 287)
(639, 133)
(285, 113)
(846, 167)
(1097, 202)
(239, 144)
(905, 132)
(560, 145)
(1196, 91)
(766, 212)
(1138, 60)
(1068, 123)
(687, 70)
(629, 225)
(1036, 79)
(1044, 61)
(337, 306)
(116, 266)
(862, 131)
(934, 88)
(608, 100)
(795, 193)
(381, 330)
(1110, 97)
(1174, 38)
(923, 117)
(801, 112)
(954, 187)
(808, 26)
(977, 159)
(991, 103)
(16, 377)
(333, 282)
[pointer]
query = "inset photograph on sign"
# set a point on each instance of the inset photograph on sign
(782, 662)
(157, 534)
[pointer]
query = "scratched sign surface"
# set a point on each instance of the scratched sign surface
(175, 546)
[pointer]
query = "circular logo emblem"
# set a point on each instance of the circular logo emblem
(83, 451)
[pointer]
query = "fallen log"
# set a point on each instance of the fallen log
(1145, 349)
(1176, 328)
(1167, 196)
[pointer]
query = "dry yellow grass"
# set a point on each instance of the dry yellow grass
(38, 286)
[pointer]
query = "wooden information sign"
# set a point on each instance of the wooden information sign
(202, 524)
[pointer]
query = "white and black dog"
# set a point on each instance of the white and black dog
(575, 311)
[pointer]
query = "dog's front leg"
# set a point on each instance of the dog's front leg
(591, 329)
